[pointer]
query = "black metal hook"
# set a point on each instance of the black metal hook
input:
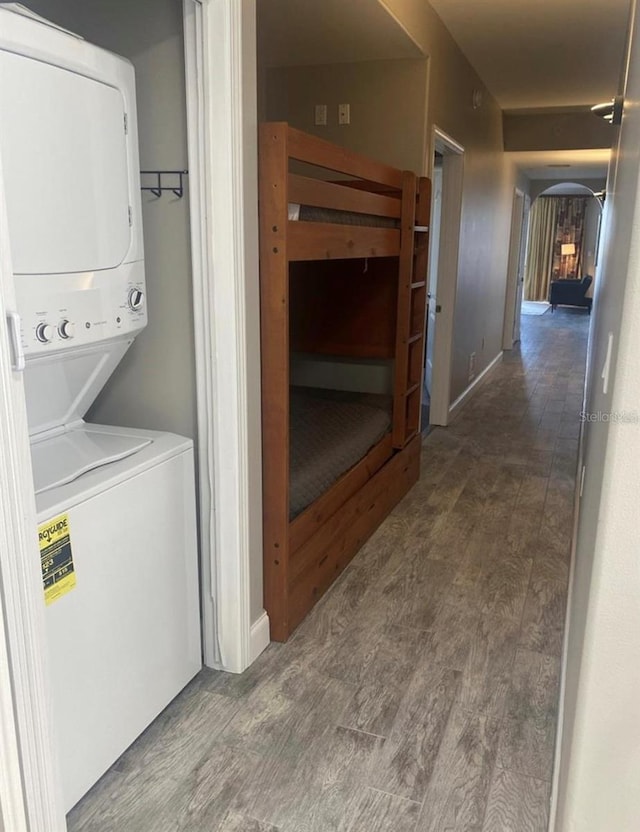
(159, 187)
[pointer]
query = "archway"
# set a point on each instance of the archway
(563, 238)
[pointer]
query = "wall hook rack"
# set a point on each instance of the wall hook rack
(159, 186)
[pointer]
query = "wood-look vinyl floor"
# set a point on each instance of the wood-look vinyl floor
(421, 693)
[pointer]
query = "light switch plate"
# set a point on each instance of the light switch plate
(607, 365)
(321, 115)
(344, 114)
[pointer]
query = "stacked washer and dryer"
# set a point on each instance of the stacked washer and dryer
(116, 506)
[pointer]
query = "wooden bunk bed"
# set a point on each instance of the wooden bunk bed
(345, 276)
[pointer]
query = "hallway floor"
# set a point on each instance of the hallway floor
(421, 693)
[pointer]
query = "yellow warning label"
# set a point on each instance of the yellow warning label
(56, 558)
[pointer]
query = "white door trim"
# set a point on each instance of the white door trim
(31, 794)
(452, 182)
(13, 814)
(222, 125)
(513, 267)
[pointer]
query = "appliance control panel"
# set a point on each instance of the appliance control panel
(76, 310)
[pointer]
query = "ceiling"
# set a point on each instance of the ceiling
(308, 32)
(541, 53)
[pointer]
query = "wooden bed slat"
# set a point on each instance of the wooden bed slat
(324, 154)
(311, 519)
(328, 552)
(330, 241)
(307, 191)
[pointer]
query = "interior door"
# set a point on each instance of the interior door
(522, 259)
(434, 253)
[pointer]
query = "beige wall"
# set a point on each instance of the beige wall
(387, 101)
(556, 131)
(391, 121)
(154, 386)
(489, 181)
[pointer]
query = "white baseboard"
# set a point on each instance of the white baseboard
(473, 388)
(260, 637)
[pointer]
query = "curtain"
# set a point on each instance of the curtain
(542, 240)
(569, 229)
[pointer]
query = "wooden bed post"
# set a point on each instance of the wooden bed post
(274, 292)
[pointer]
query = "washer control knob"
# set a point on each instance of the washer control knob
(66, 329)
(44, 333)
(136, 299)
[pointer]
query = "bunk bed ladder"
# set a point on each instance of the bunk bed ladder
(412, 295)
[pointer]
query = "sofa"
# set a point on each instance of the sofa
(571, 293)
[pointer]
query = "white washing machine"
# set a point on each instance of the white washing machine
(116, 506)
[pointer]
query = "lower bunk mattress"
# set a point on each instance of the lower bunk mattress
(330, 431)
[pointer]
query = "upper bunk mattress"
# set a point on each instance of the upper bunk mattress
(312, 213)
(330, 431)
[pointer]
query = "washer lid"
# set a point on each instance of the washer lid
(64, 151)
(62, 459)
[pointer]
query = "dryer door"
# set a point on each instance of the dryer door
(63, 145)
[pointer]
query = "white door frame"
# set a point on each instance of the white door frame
(31, 794)
(432, 273)
(524, 253)
(513, 267)
(220, 56)
(452, 182)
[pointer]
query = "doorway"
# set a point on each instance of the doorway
(560, 266)
(515, 269)
(432, 286)
(447, 166)
(235, 545)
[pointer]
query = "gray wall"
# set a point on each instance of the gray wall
(154, 386)
(591, 235)
(599, 768)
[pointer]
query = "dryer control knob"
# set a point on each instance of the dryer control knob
(136, 299)
(66, 329)
(44, 333)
